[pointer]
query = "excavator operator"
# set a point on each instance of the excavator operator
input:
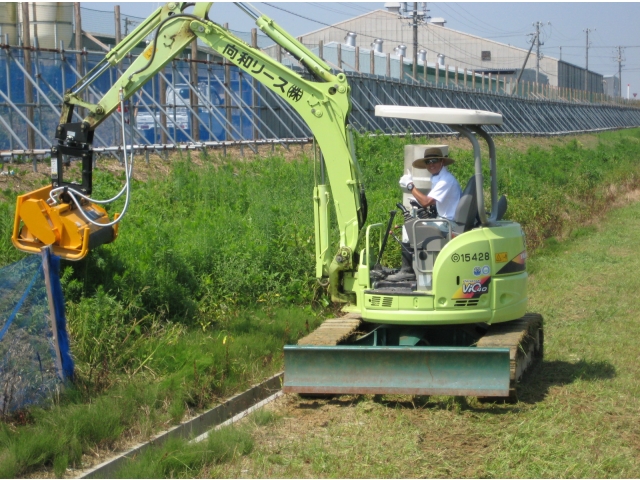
(445, 193)
(445, 189)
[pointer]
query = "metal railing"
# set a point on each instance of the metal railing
(233, 109)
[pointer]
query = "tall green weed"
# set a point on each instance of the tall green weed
(209, 239)
(178, 459)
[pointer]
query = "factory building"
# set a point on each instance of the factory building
(389, 32)
(377, 34)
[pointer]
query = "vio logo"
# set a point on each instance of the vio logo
(473, 286)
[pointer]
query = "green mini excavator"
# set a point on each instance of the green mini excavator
(458, 327)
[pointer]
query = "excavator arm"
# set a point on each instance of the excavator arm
(323, 104)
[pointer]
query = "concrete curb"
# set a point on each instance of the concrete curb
(196, 427)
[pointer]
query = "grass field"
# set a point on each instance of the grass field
(205, 285)
(577, 414)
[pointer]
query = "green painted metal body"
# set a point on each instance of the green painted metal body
(479, 276)
(469, 284)
(397, 370)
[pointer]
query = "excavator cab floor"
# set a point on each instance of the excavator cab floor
(38, 224)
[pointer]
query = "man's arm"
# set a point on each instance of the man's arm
(422, 199)
(406, 183)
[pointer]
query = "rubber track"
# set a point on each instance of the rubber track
(333, 331)
(524, 339)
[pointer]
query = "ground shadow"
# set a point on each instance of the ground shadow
(533, 388)
(313, 402)
(535, 384)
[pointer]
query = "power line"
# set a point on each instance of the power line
(354, 6)
(325, 6)
(300, 16)
(474, 26)
(455, 47)
(605, 46)
(327, 24)
(452, 47)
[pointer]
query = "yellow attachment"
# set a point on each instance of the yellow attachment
(37, 224)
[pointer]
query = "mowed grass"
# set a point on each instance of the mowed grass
(577, 414)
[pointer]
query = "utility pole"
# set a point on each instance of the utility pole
(586, 73)
(533, 41)
(620, 60)
(416, 19)
(538, 43)
(116, 13)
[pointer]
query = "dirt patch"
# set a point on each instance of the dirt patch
(521, 143)
(424, 434)
(630, 196)
(21, 177)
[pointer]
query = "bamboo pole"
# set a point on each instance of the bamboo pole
(372, 62)
(193, 98)
(28, 88)
(227, 84)
(163, 116)
(46, 267)
(254, 82)
(388, 70)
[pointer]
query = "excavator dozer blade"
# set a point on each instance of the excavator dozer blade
(37, 224)
(348, 369)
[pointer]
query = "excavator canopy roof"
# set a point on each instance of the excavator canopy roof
(448, 116)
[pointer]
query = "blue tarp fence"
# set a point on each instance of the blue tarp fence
(55, 72)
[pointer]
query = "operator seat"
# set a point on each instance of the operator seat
(467, 210)
(502, 207)
(428, 240)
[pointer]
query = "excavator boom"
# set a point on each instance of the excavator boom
(324, 105)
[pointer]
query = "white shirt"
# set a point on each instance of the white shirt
(446, 191)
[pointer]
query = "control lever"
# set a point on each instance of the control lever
(424, 212)
(392, 214)
(403, 208)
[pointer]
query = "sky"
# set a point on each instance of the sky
(611, 25)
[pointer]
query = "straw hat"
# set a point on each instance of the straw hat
(430, 153)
